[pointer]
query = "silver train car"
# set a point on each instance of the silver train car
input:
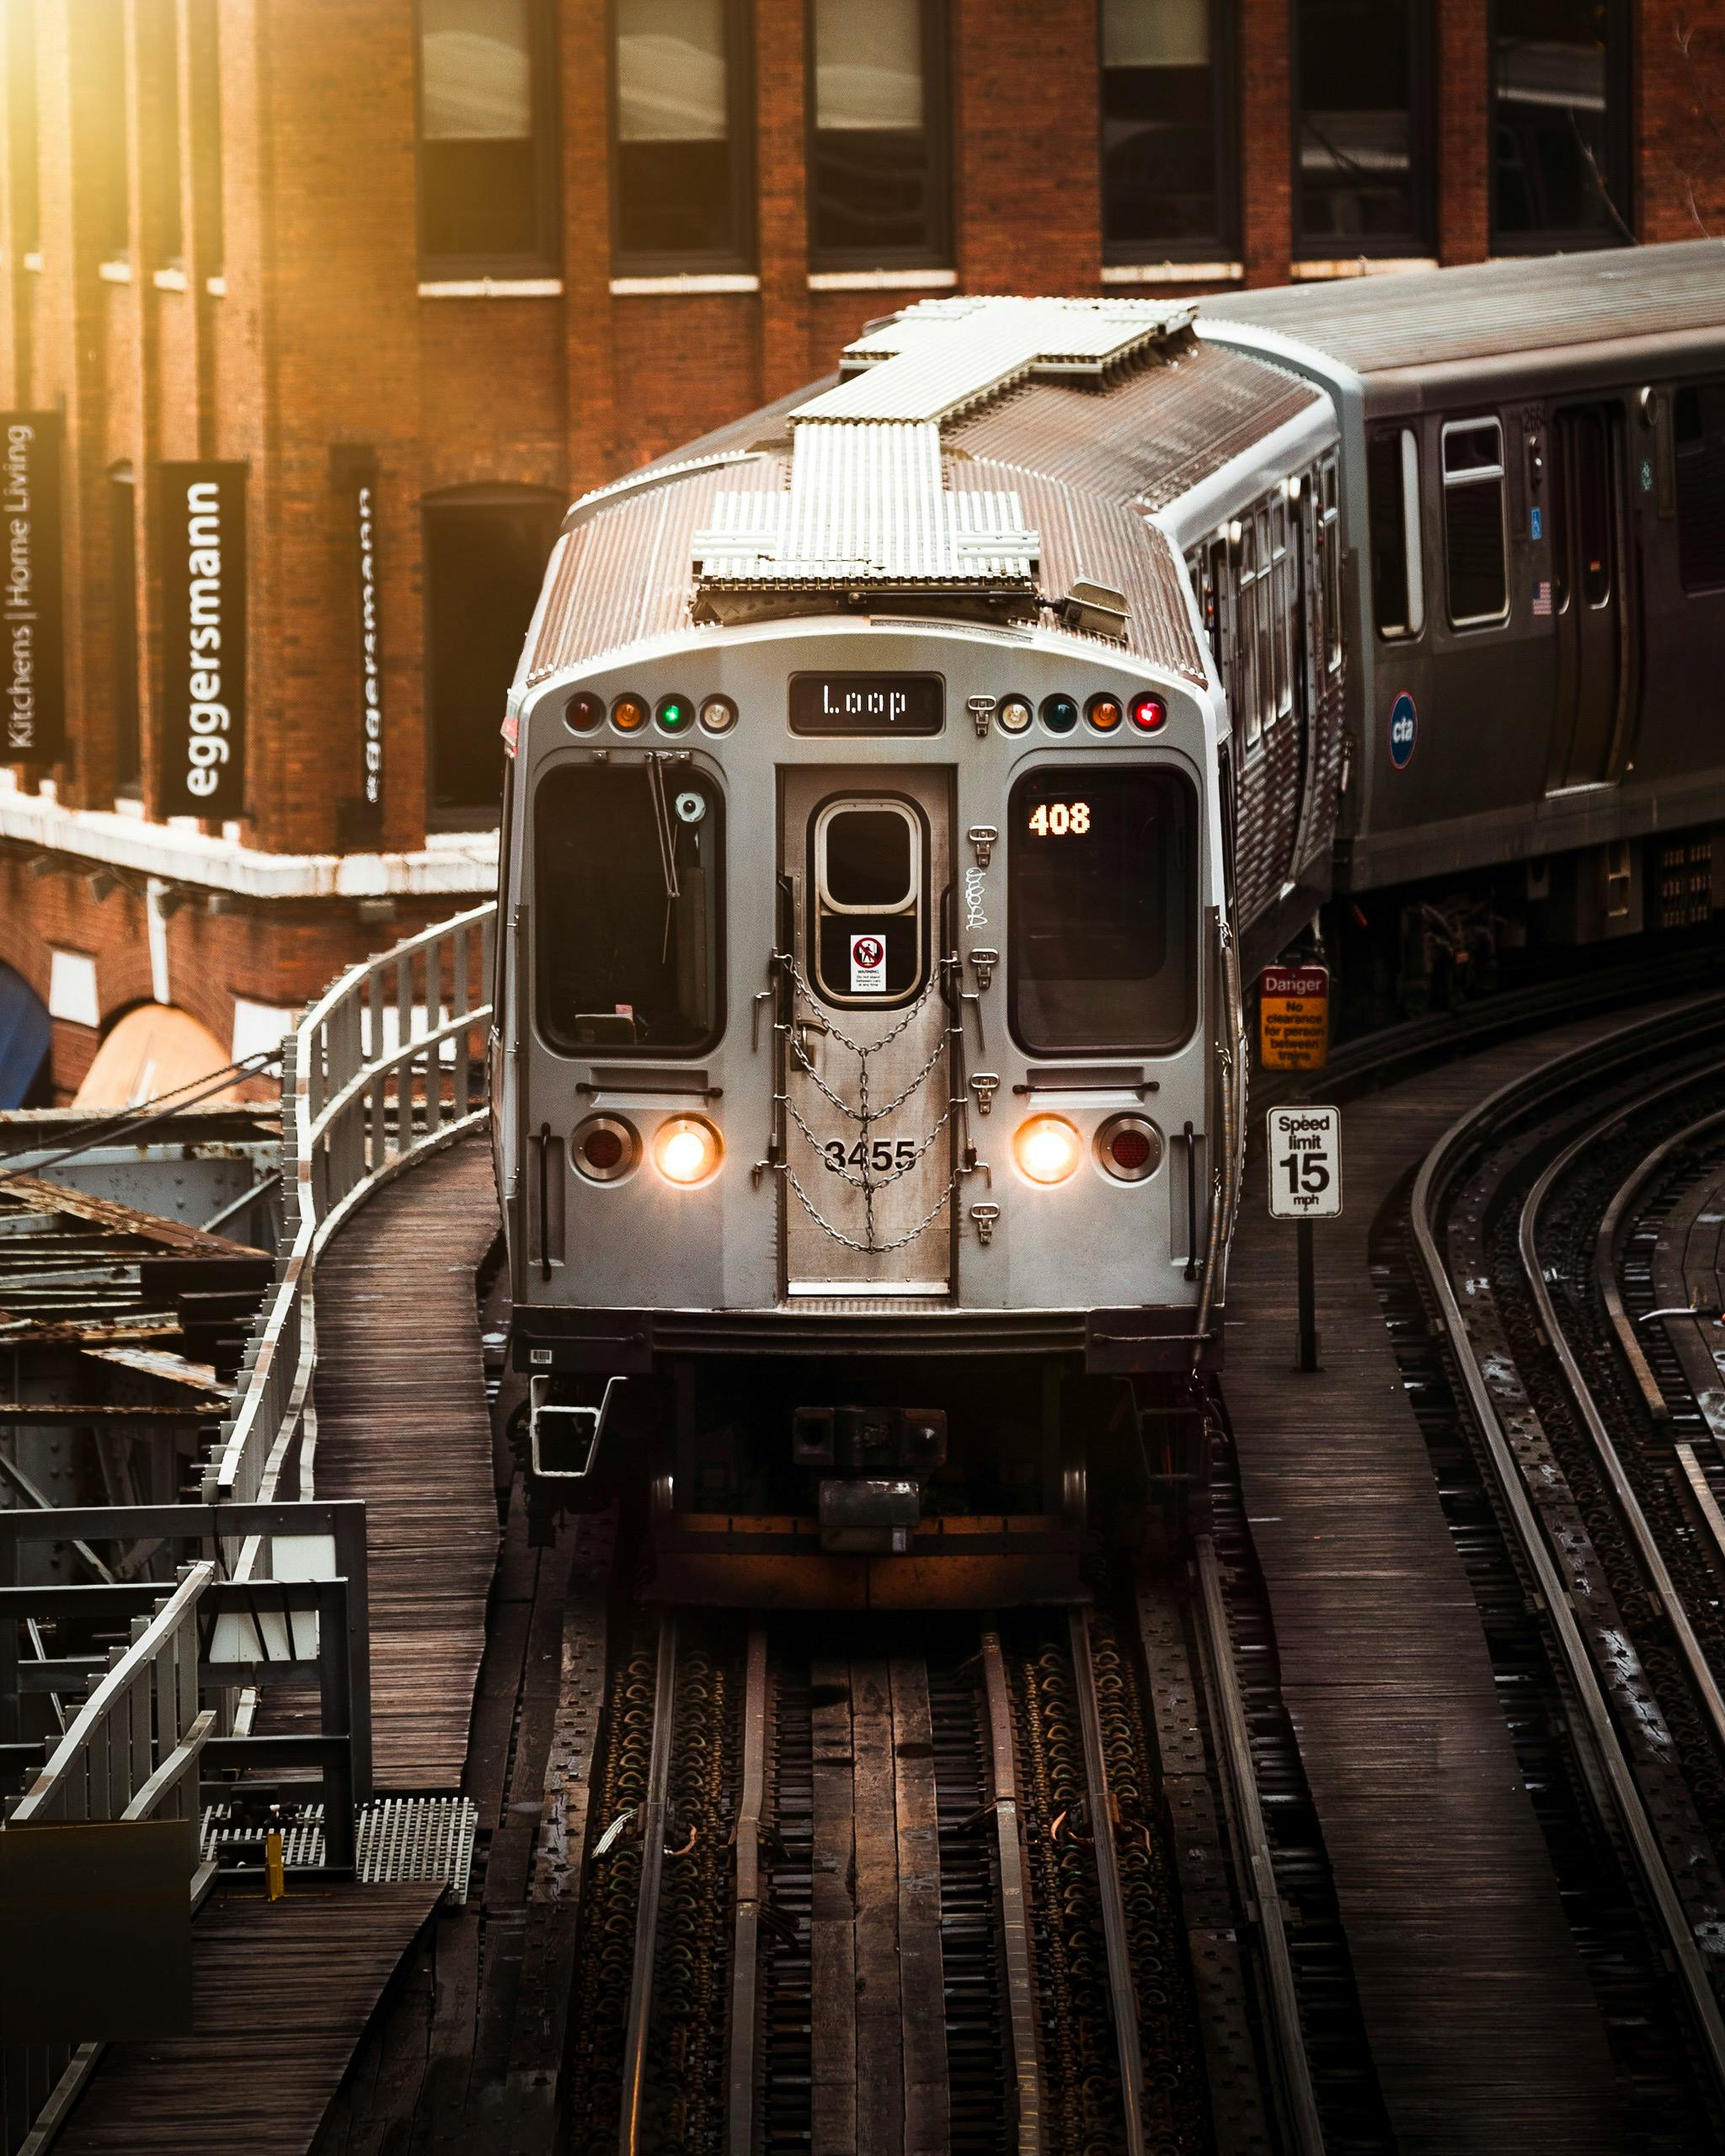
(902, 782)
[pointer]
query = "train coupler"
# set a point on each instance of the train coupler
(869, 1515)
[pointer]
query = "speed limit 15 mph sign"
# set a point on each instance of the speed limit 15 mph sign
(1304, 1163)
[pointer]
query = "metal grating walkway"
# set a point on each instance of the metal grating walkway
(400, 1841)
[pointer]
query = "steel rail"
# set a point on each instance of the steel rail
(1122, 1992)
(746, 1948)
(1014, 1902)
(1605, 1269)
(1594, 1729)
(1234, 1733)
(1611, 1460)
(652, 1836)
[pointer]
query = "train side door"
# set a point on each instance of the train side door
(868, 1062)
(1589, 579)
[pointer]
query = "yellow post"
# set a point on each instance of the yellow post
(275, 1877)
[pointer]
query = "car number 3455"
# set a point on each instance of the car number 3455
(881, 1157)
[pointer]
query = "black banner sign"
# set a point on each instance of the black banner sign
(353, 469)
(32, 621)
(202, 741)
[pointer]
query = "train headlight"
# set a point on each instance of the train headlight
(1012, 714)
(1047, 1148)
(605, 1147)
(583, 712)
(686, 1149)
(1129, 1147)
(628, 714)
(1103, 713)
(719, 714)
(674, 714)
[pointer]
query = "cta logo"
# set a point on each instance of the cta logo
(1404, 731)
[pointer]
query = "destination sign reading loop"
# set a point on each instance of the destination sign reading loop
(867, 704)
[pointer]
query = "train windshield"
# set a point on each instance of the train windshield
(627, 885)
(1102, 937)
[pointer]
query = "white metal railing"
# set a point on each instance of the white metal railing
(377, 1073)
(130, 1750)
(129, 1753)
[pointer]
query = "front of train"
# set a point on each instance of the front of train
(867, 1073)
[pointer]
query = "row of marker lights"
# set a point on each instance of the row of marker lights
(1104, 714)
(584, 713)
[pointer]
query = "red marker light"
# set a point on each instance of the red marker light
(1149, 714)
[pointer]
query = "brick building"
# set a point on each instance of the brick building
(375, 287)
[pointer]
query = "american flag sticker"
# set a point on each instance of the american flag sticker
(1542, 596)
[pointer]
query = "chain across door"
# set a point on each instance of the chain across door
(867, 1064)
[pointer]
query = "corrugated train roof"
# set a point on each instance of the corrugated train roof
(1429, 317)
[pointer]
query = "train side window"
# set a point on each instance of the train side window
(1247, 713)
(1698, 441)
(1398, 562)
(1329, 544)
(1282, 609)
(628, 908)
(1593, 506)
(1263, 627)
(1474, 545)
(1101, 910)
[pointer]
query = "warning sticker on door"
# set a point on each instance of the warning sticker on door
(869, 965)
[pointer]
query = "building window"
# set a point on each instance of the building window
(1698, 447)
(1560, 92)
(109, 155)
(1362, 128)
(487, 173)
(879, 185)
(206, 135)
(21, 100)
(165, 161)
(1397, 568)
(123, 595)
(679, 180)
(1168, 135)
(485, 555)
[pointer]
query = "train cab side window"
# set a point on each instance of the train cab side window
(627, 907)
(1398, 562)
(1698, 444)
(1102, 906)
(1474, 545)
(1249, 711)
(1329, 547)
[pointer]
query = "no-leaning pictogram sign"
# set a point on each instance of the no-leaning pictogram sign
(869, 965)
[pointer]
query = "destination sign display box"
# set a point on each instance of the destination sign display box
(1294, 1017)
(869, 704)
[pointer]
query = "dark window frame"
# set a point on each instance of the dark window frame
(1621, 91)
(1088, 772)
(938, 252)
(553, 773)
(1422, 151)
(922, 893)
(545, 257)
(739, 122)
(1226, 242)
(24, 132)
(441, 815)
(1472, 477)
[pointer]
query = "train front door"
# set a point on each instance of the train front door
(869, 1056)
(1589, 596)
